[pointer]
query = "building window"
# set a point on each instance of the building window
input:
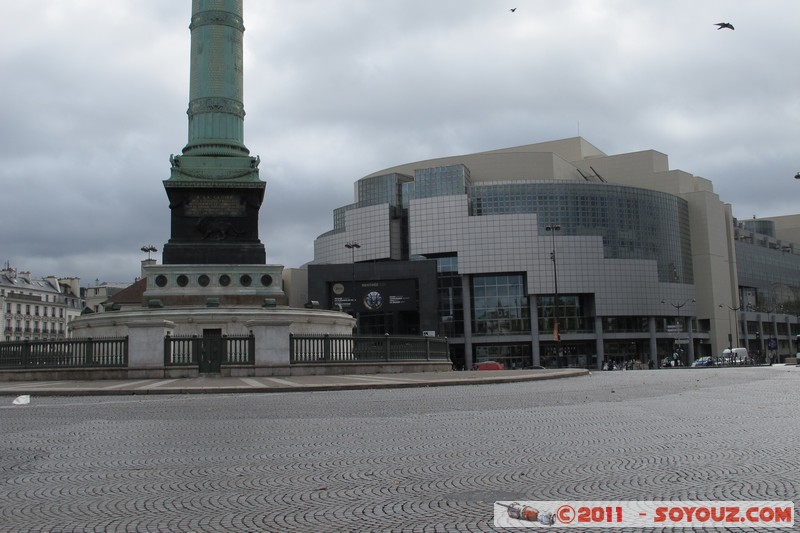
(511, 355)
(574, 313)
(499, 305)
(625, 324)
(451, 300)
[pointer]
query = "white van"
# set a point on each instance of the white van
(737, 356)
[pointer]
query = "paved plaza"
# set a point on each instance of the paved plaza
(423, 459)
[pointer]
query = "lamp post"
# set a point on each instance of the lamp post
(352, 245)
(731, 326)
(556, 331)
(148, 249)
(678, 309)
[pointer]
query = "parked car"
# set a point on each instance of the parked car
(738, 356)
(703, 361)
(488, 365)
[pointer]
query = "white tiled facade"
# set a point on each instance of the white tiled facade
(642, 248)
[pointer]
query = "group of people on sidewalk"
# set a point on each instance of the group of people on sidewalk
(630, 364)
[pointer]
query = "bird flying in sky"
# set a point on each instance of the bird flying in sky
(513, 9)
(726, 25)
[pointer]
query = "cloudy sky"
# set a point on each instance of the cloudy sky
(94, 98)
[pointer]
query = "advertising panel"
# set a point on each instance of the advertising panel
(383, 296)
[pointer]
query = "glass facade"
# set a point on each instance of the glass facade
(770, 279)
(451, 297)
(512, 356)
(384, 189)
(499, 305)
(441, 181)
(634, 223)
(762, 227)
(626, 324)
(575, 313)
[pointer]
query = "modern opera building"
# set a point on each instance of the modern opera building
(523, 253)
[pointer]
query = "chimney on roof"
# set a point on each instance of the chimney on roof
(147, 263)
(26, 276)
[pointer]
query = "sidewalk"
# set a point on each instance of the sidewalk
(224, 385)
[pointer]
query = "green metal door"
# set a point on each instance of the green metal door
(211, 351)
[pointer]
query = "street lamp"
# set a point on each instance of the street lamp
(556, 332)
(148, 249)
(731, 326)
(352, 245)
(678, 309)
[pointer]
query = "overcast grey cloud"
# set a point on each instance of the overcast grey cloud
(94, 99)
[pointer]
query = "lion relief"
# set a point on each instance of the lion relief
(217, 230)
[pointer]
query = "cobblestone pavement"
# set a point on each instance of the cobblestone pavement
(220, 384)
(412, 460)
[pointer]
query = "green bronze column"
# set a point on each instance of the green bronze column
(216, 105)
(214, 189)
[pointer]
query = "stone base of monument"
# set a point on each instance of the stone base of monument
(148, 330)
(213, 285)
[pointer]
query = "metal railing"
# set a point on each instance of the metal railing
(113, 352)
(366, 348)
(109, 352)
(234, 349)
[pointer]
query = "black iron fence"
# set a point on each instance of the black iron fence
(191, 350)
(109, 352)
(209, 353)
(366, 348)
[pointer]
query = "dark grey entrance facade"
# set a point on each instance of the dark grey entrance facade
(394, 297)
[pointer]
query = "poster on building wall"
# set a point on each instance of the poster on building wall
(375, 296)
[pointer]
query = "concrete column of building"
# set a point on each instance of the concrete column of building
(744, 337)
(690, 346)
(789, 337)
(466, 291)
(774, 354)
(598, 334)
(738, 323)
(651, 327)
(536, 353)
